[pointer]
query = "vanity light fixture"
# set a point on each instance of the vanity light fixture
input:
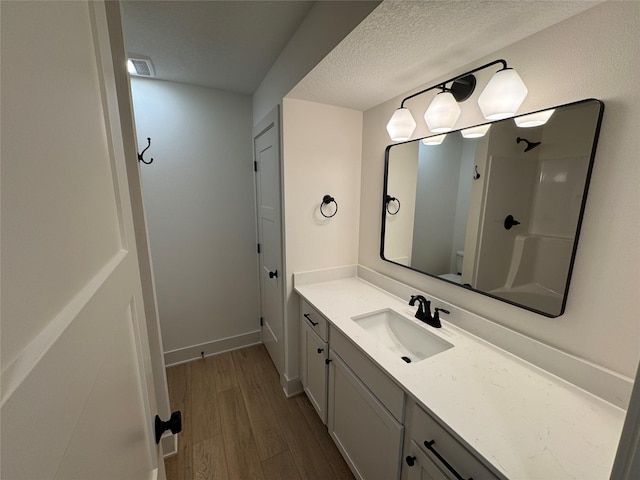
(501, 98)
(401, 125)
(436, 140)
(534, 119)
(475, 132)
(503, 95)
(443, 113)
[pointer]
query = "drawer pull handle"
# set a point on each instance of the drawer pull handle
(411, 461)
(308, 317)
(327, 361)
(429, 446)
(320, 350)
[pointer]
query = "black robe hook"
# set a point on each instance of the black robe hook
(530, 145)
(140, 159)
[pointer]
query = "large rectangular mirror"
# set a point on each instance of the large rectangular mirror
(498, 214)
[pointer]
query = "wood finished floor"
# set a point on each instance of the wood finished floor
(237, 424)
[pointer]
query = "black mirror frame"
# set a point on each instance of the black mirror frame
(385, 193)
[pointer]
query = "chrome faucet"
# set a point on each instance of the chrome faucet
(424, 311)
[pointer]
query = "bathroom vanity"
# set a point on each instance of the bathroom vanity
(405, 400)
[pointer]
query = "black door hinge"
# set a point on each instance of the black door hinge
(258, 248)
(261, 321)
(255, 166)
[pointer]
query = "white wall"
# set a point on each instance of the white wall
(200, 207)
(326, 24)
(322, 150)
(594, 54)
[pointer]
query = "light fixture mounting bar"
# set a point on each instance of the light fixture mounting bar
(462, 90)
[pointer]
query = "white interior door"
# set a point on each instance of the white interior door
(77, 398)
(266, 143)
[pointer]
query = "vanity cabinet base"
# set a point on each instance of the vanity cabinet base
(366, 434)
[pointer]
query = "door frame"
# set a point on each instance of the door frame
(114, 37)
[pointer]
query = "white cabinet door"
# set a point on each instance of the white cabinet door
(368, 436)
(315, 353)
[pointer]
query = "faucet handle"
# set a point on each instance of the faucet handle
(436, 313)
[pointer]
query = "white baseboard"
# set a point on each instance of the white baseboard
(188, 354)
(291, 387)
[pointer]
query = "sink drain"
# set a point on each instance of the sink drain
(406, 359)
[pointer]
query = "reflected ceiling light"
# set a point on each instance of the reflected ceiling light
(401, 125)
(443, 113)
(476, 132)
(534, 119)
(501, 98)
(436, 140)
(503, 95)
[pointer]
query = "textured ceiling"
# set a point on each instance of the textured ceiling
(229, 45)
(403, 44)
(232, 44)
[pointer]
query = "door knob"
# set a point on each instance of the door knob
(510, 222)
(174, 424)
(273, 274)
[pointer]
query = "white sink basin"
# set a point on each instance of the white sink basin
(400, 335)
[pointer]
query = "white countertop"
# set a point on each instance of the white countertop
(526, 422)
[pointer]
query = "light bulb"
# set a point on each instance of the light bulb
(401, 125)
(503, 95)
(435, 140)
(476, 132)
(443, 113)
(534, 119)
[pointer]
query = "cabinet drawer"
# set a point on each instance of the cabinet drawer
(313, 318)
(424, 428)
(390, 394)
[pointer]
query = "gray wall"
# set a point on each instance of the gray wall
(199, 200)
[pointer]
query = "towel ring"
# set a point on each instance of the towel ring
(390, 199)
(326, 200)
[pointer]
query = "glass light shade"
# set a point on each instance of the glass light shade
(534, 119)
(443, 113)
(401, 125)
(476, 132)
(437, 140)
(503, 95)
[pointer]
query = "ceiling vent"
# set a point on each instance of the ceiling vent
(140, 66)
